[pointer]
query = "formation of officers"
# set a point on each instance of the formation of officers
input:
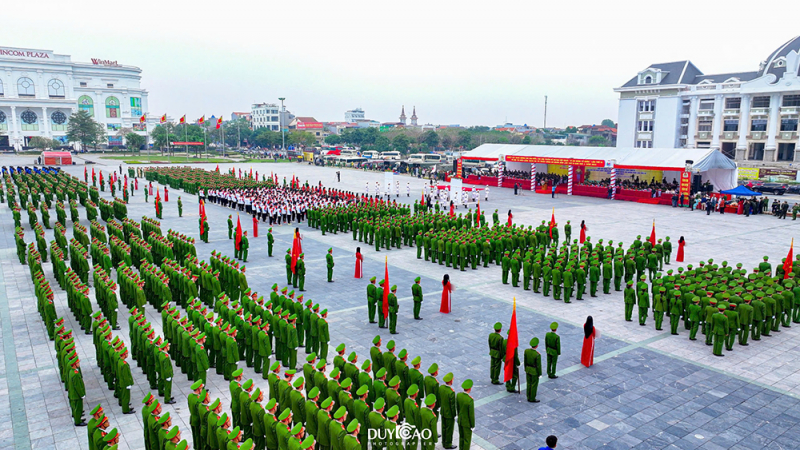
(345, 409)
(724, 303)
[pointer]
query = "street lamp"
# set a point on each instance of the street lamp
(283, 130)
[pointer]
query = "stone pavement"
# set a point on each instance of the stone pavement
(647, 389)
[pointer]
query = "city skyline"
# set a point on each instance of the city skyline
(471, 69)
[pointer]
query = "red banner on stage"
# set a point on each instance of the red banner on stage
(562, 161)
(459, 169)
(686, 183)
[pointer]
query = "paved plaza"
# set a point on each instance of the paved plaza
(647, 389)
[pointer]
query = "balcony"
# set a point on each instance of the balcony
(790, 110)
(703, 135)
(759, 111)
(757, 135)
(705, 113)
(644, 135)
(730, 112)
(730, 135)
(788, 135)
(645, 116)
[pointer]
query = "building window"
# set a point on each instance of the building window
(761, 102)
(733, 103)
(30, 121)
(112, 107)
(136, 106)
(109, 85)
(84, 84)
(85, 103)
(3, 125)
(647, 105)
(704, 125)
(791, 100)
(273, 118)
(788, 124)
(758, 125)
(756, 152)
(1, 88)
(731, 125)
(25, 87)
(55, 89)
(645, 125)
(706, 104)
(648, 79)
(58, 121)
(644, 144)
(786, 152)
(686, 108)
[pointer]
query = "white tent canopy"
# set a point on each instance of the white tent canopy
(715, 167)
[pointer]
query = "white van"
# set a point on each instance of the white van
(391, 155)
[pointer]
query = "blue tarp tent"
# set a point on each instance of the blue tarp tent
(741, 191)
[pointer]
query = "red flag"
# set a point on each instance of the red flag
(653, 235)
(217, 168)
(297, 248)
(93, 173)
(251, 172)
(85, 172)
(202, 216)
(385, 305)
(219, 122)
(478, 216)
(101, 177)
(238, 233)
(787, 265)
(552, 222)
(511, 346)
(157, 201)
(423, 197)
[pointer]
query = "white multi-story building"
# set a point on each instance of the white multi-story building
(265, 115)
(40, 89)
(354, 115)
(749, 116)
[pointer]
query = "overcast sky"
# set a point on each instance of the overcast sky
(468, 63)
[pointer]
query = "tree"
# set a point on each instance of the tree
(302, 138)
(266, 138)
(447, 141)
(383, 144)
(82, 128)
(333, 139)
(464, 138)
(570, 130)
(431, 139)
(160, 134)
(608, 123)
(43, 143)
(401, 143)
(598, 141)
(526, 140)
(134, 141)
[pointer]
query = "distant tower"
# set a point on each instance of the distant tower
(414, 117)
(403, 115)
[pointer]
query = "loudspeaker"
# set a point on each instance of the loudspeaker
(455, 165)
(697, 183)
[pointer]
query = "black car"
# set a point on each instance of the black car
(771, 188)
(793, 189)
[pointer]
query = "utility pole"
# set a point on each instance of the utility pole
(283, 130)
(545, 113)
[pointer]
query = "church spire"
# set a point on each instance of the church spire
(403, 115)
(414, 116)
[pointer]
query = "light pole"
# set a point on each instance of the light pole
(283, 130)
(239, 136)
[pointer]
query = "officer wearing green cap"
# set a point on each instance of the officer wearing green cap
(392, 437)
(392, 395)
(375, 421)
(465, 405)
(394, 307)
(719, 328)
(76, 392)
(330, 264)
(311, 410)
(298, 402)
(431, 385)
(337, 430)
(416, 292)
(496, 352)
(745, 311)
(533, 370)
(270, 424)
(230, 226)
(552, 342)
(411, 412)
(372, 299)
(759, 313)
(428, 420)
(324, 420)
(300, 269)
(361, 411)
(733, 325)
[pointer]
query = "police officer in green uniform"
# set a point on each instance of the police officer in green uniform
(533, 370)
